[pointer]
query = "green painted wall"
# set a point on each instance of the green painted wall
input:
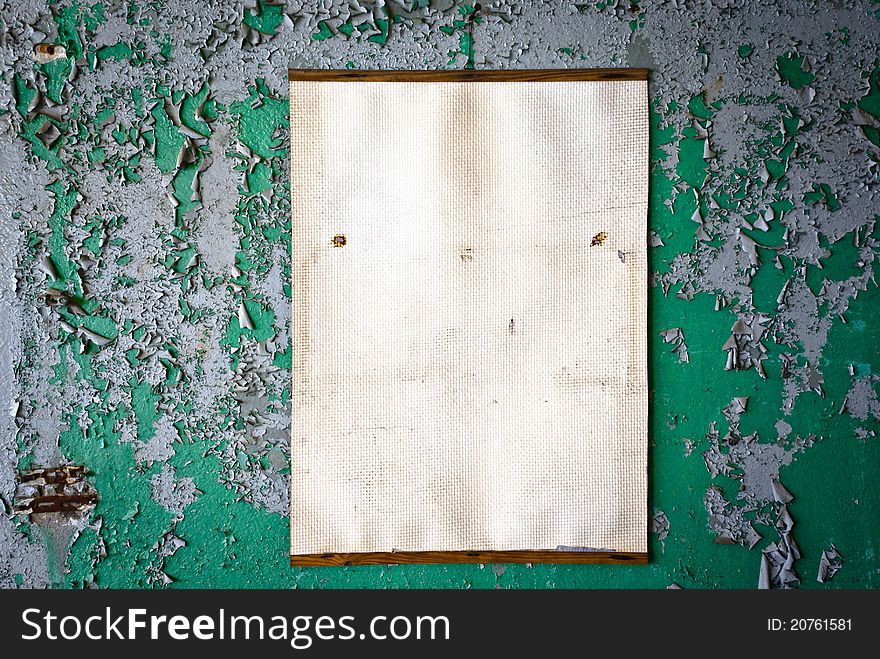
(147, 235)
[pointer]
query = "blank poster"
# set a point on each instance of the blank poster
(469, 286)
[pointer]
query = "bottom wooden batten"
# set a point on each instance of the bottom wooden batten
(522, 556)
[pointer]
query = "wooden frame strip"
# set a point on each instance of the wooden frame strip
(465, 75)
(399, 557)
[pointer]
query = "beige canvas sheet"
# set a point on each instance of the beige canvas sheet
(469, 368)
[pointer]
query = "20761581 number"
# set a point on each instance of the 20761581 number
(809, 624)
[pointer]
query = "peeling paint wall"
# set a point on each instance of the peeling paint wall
(145, 279)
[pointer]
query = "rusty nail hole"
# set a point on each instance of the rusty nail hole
(339, 240)
(599, 238)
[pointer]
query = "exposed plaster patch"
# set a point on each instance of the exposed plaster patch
(217, 230)
(861, 400)
(171, 492)
(660, 526)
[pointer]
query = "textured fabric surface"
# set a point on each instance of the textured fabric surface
(469, 367)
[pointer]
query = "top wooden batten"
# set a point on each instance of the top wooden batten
(464, 75)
